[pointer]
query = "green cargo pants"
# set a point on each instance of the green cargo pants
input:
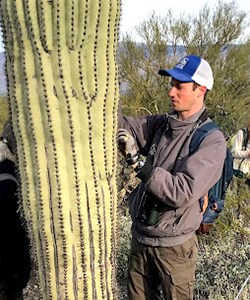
(169, 269)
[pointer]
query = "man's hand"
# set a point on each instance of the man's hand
(126, 145)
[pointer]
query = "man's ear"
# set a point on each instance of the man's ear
(202, 90)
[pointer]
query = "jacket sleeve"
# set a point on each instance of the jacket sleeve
(198, 173)
(142, 129)
(237, 146)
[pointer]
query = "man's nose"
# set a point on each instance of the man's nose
(172, 91)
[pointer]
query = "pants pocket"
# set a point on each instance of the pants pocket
(183, 277)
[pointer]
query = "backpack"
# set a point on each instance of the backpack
(216, 195)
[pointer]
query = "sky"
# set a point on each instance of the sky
(136, 11)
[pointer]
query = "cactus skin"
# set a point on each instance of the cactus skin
(63, 93)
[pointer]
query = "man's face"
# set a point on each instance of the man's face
(184, 97)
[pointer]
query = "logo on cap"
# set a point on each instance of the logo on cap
(181, 64)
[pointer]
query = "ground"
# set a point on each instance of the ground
(31, 292)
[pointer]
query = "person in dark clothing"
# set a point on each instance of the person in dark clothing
(14, 249)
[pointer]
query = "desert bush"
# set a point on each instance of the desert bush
(223, 266)
(3, 111)
(124, 247)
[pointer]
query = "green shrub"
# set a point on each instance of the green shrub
(124, 247)
(223, 266)
(3, 111)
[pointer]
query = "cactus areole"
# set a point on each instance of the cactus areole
(63, 95)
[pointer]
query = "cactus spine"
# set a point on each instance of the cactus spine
(63, 95)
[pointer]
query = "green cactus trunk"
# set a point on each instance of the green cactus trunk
(63, 94)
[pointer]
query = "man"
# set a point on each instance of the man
(165, 206)
(14, 251)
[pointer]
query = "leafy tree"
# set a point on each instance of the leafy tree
(215, 34)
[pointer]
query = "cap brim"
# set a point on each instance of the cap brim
(176, 74)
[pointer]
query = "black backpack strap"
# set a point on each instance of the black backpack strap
(245, 138)
(203, 116)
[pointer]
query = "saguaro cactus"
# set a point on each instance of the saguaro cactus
(63, 95)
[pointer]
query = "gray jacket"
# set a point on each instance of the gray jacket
(176, 194)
